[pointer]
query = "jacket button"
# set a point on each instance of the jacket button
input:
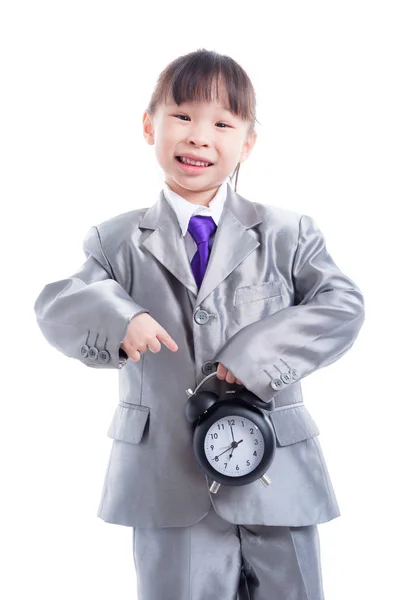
(103, 356)
(286, 377)
(93, 352)
(201, 317)
(276, 384)
(84, 350)
(294, 373)
(209, 367)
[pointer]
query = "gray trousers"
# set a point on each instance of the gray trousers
(217, 560)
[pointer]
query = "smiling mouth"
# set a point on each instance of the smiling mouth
(179, 159)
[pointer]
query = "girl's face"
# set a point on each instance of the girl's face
(207, 131)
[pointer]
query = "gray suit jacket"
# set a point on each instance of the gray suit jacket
(273, 307)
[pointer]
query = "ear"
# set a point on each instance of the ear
(248, 146)
(148, 128)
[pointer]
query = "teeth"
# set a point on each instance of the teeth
(197, 163)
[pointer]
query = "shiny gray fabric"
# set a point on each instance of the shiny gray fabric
(216, 560)
(275, 307)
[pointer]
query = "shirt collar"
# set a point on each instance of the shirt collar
(185, 210)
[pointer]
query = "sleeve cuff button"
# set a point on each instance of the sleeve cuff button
(276, 384)
(93, 352)
(103, 356)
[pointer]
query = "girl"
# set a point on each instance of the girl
(245, 290)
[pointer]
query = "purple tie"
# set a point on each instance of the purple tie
(201, 228)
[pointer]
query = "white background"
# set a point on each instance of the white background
(76, 78)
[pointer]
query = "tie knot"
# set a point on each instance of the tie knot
(201, 228)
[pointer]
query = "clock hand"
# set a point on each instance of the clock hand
(234, 446)
(231, 454)
(231, 447)
(218, 455)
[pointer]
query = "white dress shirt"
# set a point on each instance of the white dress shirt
(185, 210)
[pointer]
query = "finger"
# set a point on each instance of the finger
(230, 378)
(134, 355)
(221, 371)
(154, 345)
(166, 339)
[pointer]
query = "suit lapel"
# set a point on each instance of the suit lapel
(232, 242)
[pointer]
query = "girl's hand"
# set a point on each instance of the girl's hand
(144, 333)
(223, 373)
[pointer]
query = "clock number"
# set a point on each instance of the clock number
(248, 463)
(214, 435)
(255, 453)
(251, 430)
(220, 425)
(237, 467)
(212, 446)
(256, 441)
(231, 421)
(216, 459)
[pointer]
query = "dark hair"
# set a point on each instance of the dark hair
(194, 76)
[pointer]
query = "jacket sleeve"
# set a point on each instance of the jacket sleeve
(86, 316)
(328, 312)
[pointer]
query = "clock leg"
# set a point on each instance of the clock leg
(214, 487)
(265, 479)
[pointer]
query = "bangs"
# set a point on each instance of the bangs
(205, 76)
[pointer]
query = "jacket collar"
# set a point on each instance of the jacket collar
(232, 243)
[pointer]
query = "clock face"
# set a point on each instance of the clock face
(234, 445)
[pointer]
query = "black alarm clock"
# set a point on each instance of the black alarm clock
(233, 439)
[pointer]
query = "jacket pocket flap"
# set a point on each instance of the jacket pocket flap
(128, 423)
(293, 424)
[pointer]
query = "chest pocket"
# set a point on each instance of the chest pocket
(253, 302)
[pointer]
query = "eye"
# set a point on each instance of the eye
(219, 122)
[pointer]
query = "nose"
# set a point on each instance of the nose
(198, 137)
(197, 142)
